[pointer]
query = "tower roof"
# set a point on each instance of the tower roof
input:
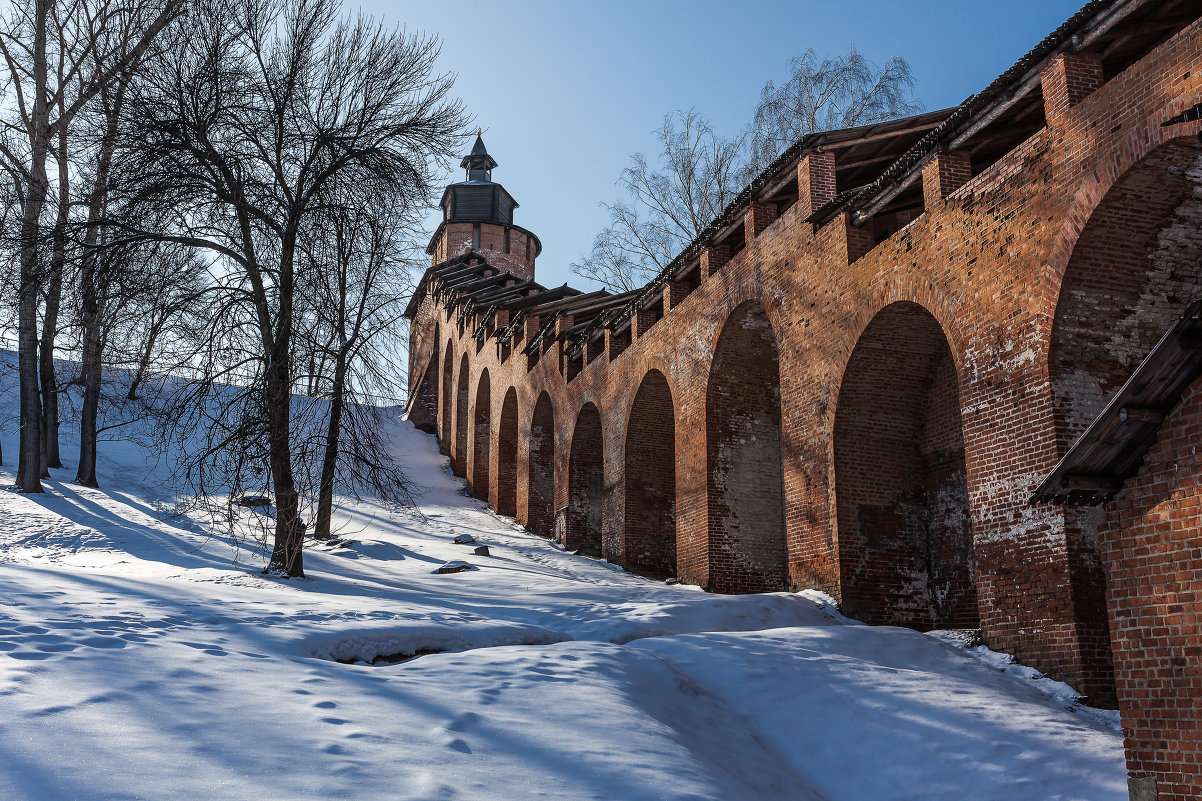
(478, 159)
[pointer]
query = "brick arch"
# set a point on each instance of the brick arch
(1135, 264)
(905, 547)
(507, 455)
(1136, 144)
(459, 454)
(745, 466)
(769, 302)
(1134, 267)
(481, 437)
(907, 288)
(424, 409)
(586, 484)
(540, 487)
(653, 362)
(448, 379)
(649, 476)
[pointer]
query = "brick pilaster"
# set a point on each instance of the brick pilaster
(943, 175)
(815, 182)
(1066, 81)
(674, 294)
(758, 217)
(712, 259)
(643, 320)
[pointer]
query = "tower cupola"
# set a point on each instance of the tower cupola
(478, 163)
(477, 214)
(479, 198)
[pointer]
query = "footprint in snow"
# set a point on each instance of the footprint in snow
(32, 655)
(56, 647)
(461, 723)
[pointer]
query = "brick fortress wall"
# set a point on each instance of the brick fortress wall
(806, 406)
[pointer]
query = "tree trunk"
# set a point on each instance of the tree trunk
(54, 296)
(29, 465)
(289, 533)
(86, 474)
(144, 358)
(93, 295)
(286, 553)
(325, 494)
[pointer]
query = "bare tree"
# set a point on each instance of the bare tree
(158, 316)
(260, 108)
(360, 248)
(827, 94)
(698, 172)
(667, 204)
(96, 281)
(57, 57)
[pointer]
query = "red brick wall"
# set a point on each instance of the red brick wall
(481, 438)
(649, 542)
(507, 456)
(582, 519)
(540, 517)
(744, 468)
(987, 263)
(905, 541)
(1133, 269)
(446, 410)
(1067, 80)
(1152, 545)
(489, 242)
(423, 412)
(459, 453)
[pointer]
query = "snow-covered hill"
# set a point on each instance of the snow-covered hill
(138, 660)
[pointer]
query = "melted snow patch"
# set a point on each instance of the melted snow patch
(398, 643)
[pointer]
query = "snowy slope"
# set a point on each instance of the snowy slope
(138, 660)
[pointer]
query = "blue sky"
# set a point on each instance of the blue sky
(566, 91)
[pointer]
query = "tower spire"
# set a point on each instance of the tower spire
(478, 163)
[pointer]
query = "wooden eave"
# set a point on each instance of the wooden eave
(520, 308)
(993, 122)
(1112, 449)
(488, 295)
(465, 274)
(467, 291)
(444, 274)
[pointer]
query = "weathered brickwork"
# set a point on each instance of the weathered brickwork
(1152, 543)
(649, 542)
(863, 404)
(905, 543)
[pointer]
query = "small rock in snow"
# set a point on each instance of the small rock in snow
(454, 567)
(481, 551)
(254, 500)
(464, 539)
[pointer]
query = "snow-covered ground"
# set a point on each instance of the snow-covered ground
(138, 660)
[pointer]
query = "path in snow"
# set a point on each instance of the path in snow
(138, 660)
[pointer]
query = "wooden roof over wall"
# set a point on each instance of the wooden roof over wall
(1112, 449)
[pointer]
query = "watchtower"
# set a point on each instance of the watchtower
(477, 215)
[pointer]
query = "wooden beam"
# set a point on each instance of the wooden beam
(1191, 339)
(1140, 414)
(1081, 482)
